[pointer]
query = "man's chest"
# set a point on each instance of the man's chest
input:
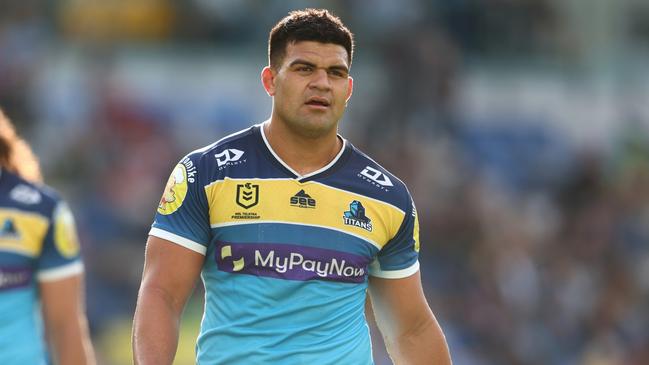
(235, 202)
(296, 231)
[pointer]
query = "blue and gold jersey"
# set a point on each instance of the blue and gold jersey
(287, 257)
(38, 243)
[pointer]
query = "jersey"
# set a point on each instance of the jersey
(38, 243)
(287, 257)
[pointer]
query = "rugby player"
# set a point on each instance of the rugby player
(41, 273)
(289, 226)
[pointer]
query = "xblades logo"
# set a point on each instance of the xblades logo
(227, 156)
(302, 200)
(376, 177)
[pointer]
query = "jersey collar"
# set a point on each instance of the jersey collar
(325, 170)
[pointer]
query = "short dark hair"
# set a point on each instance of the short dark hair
(317, 25)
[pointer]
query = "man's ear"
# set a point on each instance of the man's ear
(350, 89)
(268, 80)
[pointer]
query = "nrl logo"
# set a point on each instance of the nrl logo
(247, 195)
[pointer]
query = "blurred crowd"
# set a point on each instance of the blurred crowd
(521, 128)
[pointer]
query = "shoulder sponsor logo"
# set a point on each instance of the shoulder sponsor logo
(291, 262)
(190, 169)
(65, 232)
(376, 178)
(355, 216)
(302, 200)
(25, 194)
(175, 191)
(230, 156)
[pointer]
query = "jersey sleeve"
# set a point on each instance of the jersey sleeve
(182, 216)
(399, 258)
(60, 256)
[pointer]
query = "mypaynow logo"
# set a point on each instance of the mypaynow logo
(291, 262)
(14, 277)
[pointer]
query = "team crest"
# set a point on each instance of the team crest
(247, 195)
(8, 230)
(175, 191)
(355, 216)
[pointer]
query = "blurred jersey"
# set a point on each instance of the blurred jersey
(38, 243)
(287, 257)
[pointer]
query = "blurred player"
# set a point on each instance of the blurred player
(288, 225)
(40, 269)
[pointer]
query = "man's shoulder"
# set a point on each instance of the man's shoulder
(374, 171)
(228, 147)
(367, 177)
(222, 158)
(28, 196)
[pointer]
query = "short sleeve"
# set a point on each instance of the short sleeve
(399, 258)
(182, 216)
(60, 256)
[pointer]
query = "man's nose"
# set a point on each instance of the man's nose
(320, 80)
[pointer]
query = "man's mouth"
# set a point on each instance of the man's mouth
(318, 102)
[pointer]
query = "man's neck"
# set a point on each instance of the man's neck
(303, 155)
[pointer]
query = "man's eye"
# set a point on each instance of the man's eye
(336, 73)
(304, 69)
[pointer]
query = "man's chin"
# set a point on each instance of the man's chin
(314, 129)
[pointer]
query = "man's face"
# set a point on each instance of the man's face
(311, 87)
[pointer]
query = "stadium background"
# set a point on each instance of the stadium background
(521, 127)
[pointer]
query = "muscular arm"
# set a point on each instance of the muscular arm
(409, 328)
(170, 273)
(65, 321)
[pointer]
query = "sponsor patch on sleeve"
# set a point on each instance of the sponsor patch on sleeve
(175, 191)
(65, 232)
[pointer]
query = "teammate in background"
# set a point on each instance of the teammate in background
(41, 274)
(289, 226)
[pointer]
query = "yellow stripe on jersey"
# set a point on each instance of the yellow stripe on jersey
(416, 232)
(237, 201)
(26, 234)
